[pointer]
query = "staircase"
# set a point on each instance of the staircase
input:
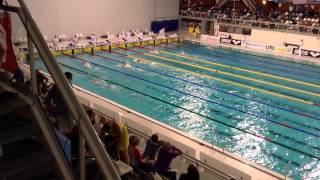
(251, 4)
(22, 156)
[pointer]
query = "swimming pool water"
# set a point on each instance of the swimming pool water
(271, 127)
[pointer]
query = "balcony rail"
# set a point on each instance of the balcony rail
(245, 23)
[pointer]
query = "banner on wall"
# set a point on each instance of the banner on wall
(231, 41)
(223, 35)
(254, 45)
(289, 45)
(304, 52)
(10, 60)
(208, 39)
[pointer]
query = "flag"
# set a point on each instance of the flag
(10, 60)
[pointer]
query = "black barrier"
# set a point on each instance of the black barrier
(231, 41)
(290, 45)
(169, 25)
(304, 52)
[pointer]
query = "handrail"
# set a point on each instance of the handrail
(104, 162)
(198, 162)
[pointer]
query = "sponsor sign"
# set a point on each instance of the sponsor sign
(291, 45)
(254, 45)
(305, 52)
(281, 49)
(207, 39)
(270, 47)
(223, 35)
(231, 41)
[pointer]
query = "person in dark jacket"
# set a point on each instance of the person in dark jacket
(192, 174)
(153, 144)
(166, 154)
(57, 105)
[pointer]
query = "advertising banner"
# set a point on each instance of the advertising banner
(208, 39)
(231, 41)
(304, 52)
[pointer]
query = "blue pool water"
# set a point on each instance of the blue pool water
(274, 124)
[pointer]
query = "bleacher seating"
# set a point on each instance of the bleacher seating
(308, 16)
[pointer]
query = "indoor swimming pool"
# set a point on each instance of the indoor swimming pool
(261, 108)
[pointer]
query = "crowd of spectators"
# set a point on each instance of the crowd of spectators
(307, 16)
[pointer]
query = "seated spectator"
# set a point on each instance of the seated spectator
(18, 77)
(55, 104)
(98, 126)
(117, 139)
(192, 174)
(166, 154)
(41, 83)
(91, 116)
(110, 140)
(153, 144)
(136, 158)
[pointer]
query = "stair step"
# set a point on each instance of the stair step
(19, 148)
(11, 103)
(27, 163)
(12, 121)
(5, 95)
(17, 132)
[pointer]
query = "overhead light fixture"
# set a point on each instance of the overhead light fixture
(264, 2)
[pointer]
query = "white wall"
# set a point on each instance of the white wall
(278, 38)
(73, 16)
(166, 9)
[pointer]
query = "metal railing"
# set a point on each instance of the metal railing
(210, 169)
(86, 129)
(268, 25)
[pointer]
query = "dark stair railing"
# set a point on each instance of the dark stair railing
(87, 131)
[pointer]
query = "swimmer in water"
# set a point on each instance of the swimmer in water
(154, 51)
(183, 53)
(125, 65)
(140, 61)
(86, 64)
(98, 82)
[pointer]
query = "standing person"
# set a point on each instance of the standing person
(166, 154)
(153, 144)
(74, 41)
(300, 47)
(93, 39)
(55, 41)
(118, 132)
(98, 126)
(192, 174)
(55, 102)
(41, 83)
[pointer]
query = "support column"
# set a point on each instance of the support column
(203, 26)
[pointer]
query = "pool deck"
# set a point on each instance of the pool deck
(229, 163)
(270, 53)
